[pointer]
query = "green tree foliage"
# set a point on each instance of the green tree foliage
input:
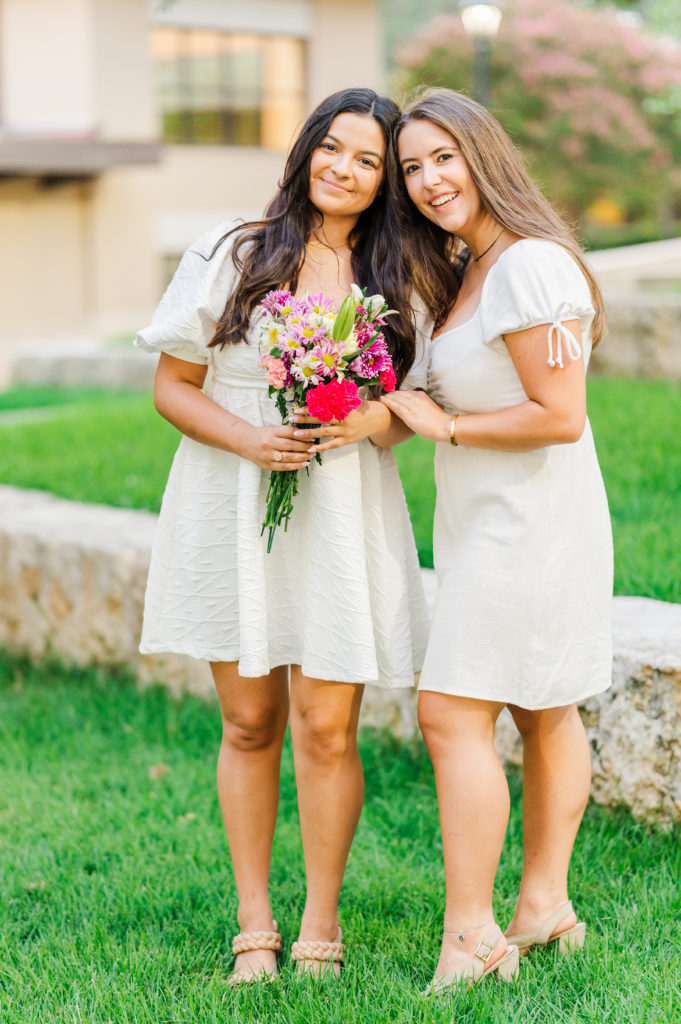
(663, 16)
(593, 101)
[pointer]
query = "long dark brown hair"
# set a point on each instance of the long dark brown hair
(269, 253)
(505, 189)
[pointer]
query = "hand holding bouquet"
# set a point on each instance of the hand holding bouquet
(316, 359)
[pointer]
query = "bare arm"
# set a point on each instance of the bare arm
(179, 399)
(554, 413)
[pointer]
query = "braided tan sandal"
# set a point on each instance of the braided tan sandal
(245, 942)
(506, 967)
(567, 939)
(317, 958)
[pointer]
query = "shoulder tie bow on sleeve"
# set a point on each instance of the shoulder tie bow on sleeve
(561, 333)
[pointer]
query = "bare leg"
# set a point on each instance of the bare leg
(473, 800)
(324, 719)
(556, 781)
(254, 716)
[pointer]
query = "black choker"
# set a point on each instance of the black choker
(476, 259)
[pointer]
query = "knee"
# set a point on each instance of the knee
(455, 724)
(251, 729)
(320, 737)
(435, 735)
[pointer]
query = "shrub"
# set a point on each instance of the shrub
(592, 101)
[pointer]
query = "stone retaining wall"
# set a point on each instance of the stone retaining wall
(83, 362)
(72, 580)
(643, 337)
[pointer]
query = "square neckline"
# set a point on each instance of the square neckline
(471, 318)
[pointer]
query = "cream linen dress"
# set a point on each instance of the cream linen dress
(340, 593)
(522, 545)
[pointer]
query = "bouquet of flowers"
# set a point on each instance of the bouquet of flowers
(316, 358)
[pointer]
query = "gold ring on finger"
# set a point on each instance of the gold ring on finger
(278, 457)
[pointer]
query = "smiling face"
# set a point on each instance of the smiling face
(346, 168)
(438, 180)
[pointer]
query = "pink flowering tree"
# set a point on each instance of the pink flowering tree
(593, 103)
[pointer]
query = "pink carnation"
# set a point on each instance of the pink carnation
(333, 401)
(388, 380)
(277, 374)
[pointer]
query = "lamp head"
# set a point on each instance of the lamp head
(481, 18)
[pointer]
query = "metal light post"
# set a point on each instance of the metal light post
(481, 20)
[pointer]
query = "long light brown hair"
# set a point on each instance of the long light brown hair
(505, 189)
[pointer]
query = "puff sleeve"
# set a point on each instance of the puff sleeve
(538, 282)
(185, 319)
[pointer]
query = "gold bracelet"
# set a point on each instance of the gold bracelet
(452, 430)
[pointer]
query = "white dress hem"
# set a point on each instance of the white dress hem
(222, 656)
(526, 707)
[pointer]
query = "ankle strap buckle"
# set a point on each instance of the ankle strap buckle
(484, 951)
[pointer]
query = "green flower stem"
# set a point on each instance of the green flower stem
(281, 491)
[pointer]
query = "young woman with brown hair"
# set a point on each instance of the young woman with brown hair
(338, 602)
(522, 547)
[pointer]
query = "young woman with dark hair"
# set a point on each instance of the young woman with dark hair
(522, 541)
(338, 603)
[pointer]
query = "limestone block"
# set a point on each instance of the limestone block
(643, 337)
(84, 363)
(71, 577)
(635, 727)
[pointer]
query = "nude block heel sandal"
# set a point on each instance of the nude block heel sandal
(568, 940)
(506, 967)
(573, 938)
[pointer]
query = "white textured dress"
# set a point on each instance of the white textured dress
(340, 593)
(522, 546)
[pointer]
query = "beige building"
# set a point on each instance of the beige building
(128, 127)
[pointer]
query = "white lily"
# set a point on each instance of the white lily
(374, 303)
(356, 293)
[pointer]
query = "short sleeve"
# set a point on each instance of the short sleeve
(417, 376)
(185, 320)
(534, 282)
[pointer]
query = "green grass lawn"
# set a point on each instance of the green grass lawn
(117, 450)
(29, 397)
(117, 901)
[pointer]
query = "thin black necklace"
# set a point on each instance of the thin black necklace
(476, 259)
